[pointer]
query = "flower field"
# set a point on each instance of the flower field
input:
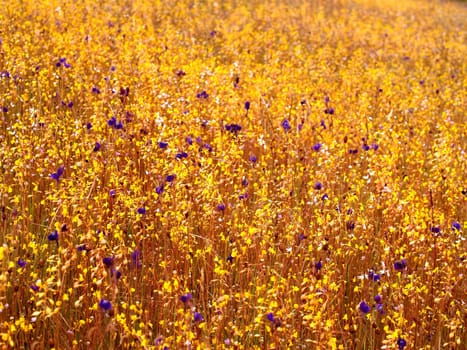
(284, 174)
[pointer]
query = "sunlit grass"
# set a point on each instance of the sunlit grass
(233, 175)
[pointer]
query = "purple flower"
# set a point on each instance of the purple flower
(189, 140)
(105, 305)
(378, 298)
(70, 104)
(435, 229)
(353, 151)
(317, 147)
(160, 189)
(21, 262)
(185, 298)
(329, 110)
(230, 259)
(374, 276)
(247, 105)
(324, 197)
(374, 146)
(53, 236)
(170, 178)
(181, 155)
(318, 265)
(108, 261)
(95, 90)
(323, 123)
(34, 287)
(5, 74)
(82, 248)
(326, 99)
(97, 147)
(88, 126)
(112, 122)
(163, 145)
(456, 226)
(202, 95)
(365, 147)
(380, 308)
(58, 174)
(233, 128)
(286, 125)
(221, 207)
(60, 62)
(318, 185)
(400, 265)
(142, 210)
(270, 317)
(208, 147)
(243, 196)
(401, 343)
(112, 193)
(253, 158)
(198, 318)
(119, 125)
(115, 273)
(158, 341)
(244, 182)
(364, 307)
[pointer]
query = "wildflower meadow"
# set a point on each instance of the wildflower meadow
(240, 174)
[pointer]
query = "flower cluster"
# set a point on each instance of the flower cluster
(198, 175)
